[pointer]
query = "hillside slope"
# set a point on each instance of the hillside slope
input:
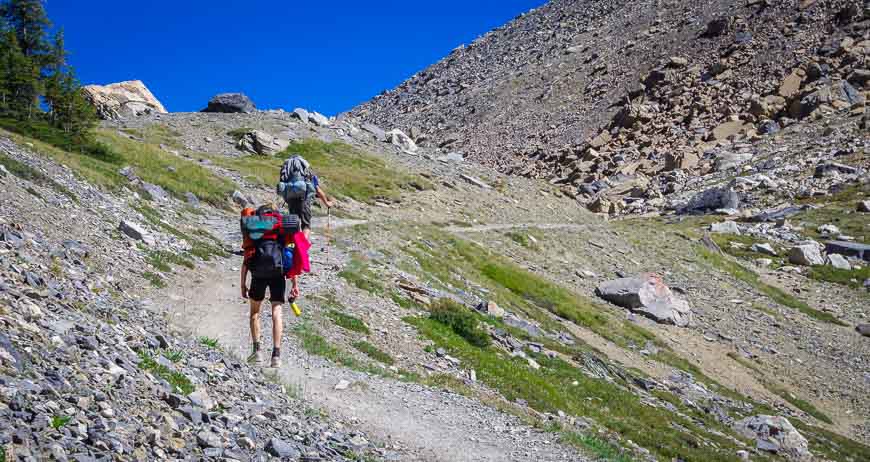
(581, 92)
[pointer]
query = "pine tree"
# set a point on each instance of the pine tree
(30, 23)
(72, 113)
(21, 80)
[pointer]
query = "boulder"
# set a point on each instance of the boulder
(860, 77)
(491, 308)
(864, 206)
(728, 129)
(398, 138)
(681, 160)
(791, 85)
(839, 262)
(648, 295)
(121, 100)
(318, 119)
(156, 192)
(767, 107)
(230, 103)
(300, 114)
(720, 197)
(260, 142)
(731, 160)
(375, 131)
(135, 231)
(806, 255)
(850, 249)
(863, 329)
(282, 450)
(241, 200)
(725, 227)
(774, 434)
(765, 248)
(836, 95)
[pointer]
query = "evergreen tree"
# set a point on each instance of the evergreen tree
(21, 86)
(30, 23)
(71, 112)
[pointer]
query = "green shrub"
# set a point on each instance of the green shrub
(463, 322)
(178, 381)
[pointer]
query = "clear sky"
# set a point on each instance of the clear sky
(322, 55)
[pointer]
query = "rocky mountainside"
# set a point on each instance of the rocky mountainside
(633, 97)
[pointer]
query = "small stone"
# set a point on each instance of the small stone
(246, 443)
(342, 385)
(200, 398)
(863, 329)
(864, 206)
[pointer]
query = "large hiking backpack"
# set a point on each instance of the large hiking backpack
(264, 229)
(295, 183)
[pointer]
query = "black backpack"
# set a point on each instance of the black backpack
(268, 259)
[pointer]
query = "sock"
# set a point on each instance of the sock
(276, 352)
(256, 347)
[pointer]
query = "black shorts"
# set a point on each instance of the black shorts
(277, 287)
(303, 209)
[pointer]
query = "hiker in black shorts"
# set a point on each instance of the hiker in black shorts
(277, 286)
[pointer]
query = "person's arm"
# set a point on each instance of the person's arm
(322, 196)
(294, 290)
(244, 282)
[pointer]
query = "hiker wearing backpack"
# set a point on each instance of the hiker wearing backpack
(298, 186)
(264, 247)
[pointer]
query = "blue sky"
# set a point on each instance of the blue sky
(326, 56)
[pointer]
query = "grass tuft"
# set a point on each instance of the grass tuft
(155, 279)
(178, 381)
(348, 322)
(212, 343)
(59, 421)
(373, 352)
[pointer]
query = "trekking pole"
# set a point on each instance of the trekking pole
(328, 233)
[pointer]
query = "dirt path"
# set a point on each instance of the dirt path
(417, 422)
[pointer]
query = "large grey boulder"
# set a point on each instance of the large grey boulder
(648, 295)
(863, 329)
(123, 99)
(864, 206)
(807, 254)
(775, 434)
(260, 142)
(712, 199)
(230, 103)
(398, 138)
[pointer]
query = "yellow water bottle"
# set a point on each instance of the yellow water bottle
(296, 310)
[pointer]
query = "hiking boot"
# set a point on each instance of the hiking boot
(256, 358)
(276, 361)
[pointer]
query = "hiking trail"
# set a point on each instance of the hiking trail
(418, 422)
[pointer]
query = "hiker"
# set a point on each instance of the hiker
(264, 258)
(298, 186)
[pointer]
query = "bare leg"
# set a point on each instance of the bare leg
(277, 324)
(255, 321)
